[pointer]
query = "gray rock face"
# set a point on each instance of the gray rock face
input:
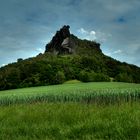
(65, 43)
(60, 43)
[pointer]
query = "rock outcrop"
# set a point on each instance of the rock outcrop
(65, 43)
(60, 43)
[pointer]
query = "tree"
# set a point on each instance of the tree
(124, 77)
(59, 78)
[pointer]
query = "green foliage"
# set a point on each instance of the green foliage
(59, 77)
(70, 121)
(124, 77)
(85, 76)
(100, 77)
(96, 93)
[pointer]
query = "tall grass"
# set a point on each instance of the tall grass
(81, 111)
(79, 92)
(70, 121)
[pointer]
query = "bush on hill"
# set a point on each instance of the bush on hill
(85, 76)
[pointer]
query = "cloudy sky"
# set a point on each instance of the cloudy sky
(27, 25)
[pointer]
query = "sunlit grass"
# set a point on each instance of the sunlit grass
(72, 82)
(98, 93)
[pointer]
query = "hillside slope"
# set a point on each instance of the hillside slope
(66, 59)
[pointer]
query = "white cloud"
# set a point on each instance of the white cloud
(102, 36)
(85, 34)
(117, 52)
(112, 53)
(40, 50)
(92, 33)
(82, 31)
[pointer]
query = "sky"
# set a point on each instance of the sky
(26, 26)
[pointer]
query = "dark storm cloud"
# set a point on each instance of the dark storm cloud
(26, 26)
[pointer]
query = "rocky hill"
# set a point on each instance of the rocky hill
(67, 57)
(65, 43)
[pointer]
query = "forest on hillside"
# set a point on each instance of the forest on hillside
(49, 69)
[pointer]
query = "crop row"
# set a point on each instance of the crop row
(106, 96)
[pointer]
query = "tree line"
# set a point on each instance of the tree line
(48, 69)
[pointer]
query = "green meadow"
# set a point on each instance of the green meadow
(71, 111)
(95, 92)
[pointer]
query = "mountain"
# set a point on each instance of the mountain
(67, 57)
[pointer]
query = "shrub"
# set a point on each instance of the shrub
(93, 77)
(100, 77)
(59, 78)
(123, 77)
(84, 76)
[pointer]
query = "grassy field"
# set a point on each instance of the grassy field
(98, 92)
(80, 111)
(70, 121)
